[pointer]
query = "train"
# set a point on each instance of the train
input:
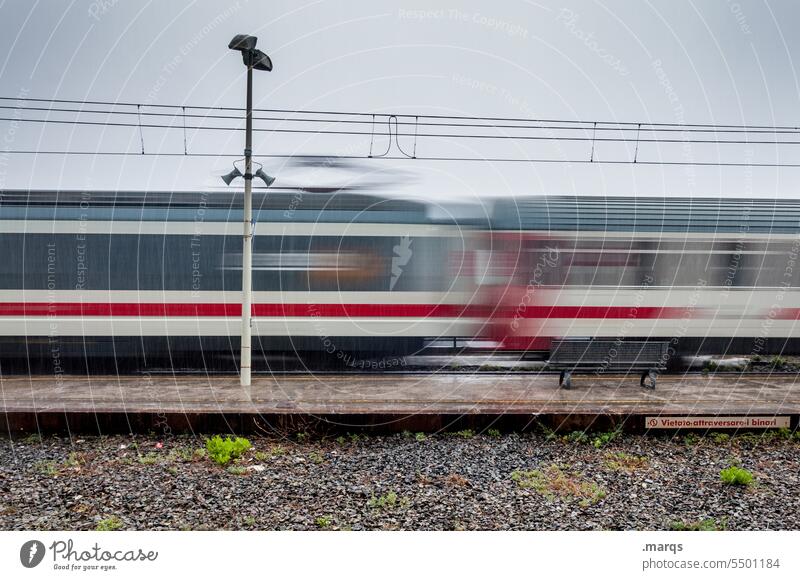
(706, 275)
(152, 279)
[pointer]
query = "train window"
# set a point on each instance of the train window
(773, 264)
(492, 267)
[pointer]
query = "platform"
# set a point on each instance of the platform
(417, 401)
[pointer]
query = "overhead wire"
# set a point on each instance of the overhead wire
(635, 127)
(404, 157)
(418, 128)
(632, 124)
(392, 120)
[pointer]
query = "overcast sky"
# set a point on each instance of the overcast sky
(716, 61)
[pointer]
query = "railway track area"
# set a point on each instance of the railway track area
(450, 480)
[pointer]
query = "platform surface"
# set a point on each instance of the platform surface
(478, 393)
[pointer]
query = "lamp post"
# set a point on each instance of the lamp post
(253, 59)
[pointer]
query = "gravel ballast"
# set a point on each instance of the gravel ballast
(409, 482)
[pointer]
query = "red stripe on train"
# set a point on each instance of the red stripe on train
(350, 310)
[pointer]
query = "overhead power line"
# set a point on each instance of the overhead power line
(418, 135)
(412, 129)
(401, 121)
(406, 158)
(421, 116)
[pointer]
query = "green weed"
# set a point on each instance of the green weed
(554, 483)
(575, 437)
(778, 362)
(692, 439)
(75, 460)
(221, 451)
(622, 461)
(109, 524)
(735, 475)
(603, 439)
(49, 468)
(323, 522)
(277, 451)
(182, 455)
(464, 434)
(148, 459)
(705, 525)
(549, 434)
(388, 502)
(720, 438)
(492, 368)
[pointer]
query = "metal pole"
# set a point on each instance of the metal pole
(247, 238)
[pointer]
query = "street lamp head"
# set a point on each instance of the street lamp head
(259, 60)
(251, 56)
(268, 179)
(228, 178)
(243, 42)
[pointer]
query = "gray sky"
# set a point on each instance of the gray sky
(694, 62)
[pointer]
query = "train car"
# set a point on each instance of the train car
(154, 278)
(708, 275)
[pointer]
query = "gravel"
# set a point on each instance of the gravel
(441, 482)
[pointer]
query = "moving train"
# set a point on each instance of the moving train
(709, 276)
(153, 279)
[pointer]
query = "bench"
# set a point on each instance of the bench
(599, 356)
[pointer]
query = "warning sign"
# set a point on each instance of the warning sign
(776, 422)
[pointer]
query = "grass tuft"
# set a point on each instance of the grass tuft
(704, 525)
(735, 475)
(323, 522)
(148, 459)
(464, 434)
(221, 451)
(388, 502)
(720, 438)
(692, 439)
(621, 461)
(554, 483)
(49, 468)
(603, 439)
(110, 524)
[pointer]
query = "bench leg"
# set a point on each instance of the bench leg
(649, 379)
(565, 381)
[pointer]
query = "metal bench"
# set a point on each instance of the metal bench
(599, 356)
